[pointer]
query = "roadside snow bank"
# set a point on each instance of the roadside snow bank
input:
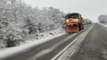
(105, 25)
(19, 49)
(29, 38)
(45, 35)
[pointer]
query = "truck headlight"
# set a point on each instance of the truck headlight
(75, 20)
(69, 22)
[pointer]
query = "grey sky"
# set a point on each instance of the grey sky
(88, 8)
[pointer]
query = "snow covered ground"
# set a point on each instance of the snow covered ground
(45, 36)
(103, 24)
(35, 37)
(30, 43)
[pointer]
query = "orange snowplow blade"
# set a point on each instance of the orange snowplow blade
(72, 29)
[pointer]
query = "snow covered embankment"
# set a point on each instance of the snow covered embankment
(6, 52)
(104, 25)
(42, 37)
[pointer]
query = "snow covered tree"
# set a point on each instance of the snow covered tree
(87, 21)
(103, 19)
(17, 20)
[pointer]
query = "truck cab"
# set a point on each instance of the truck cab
(74, 22)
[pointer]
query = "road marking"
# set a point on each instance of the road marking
(48, 50)
(61, 55)
(41, 53)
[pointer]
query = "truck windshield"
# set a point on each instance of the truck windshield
(73, 16)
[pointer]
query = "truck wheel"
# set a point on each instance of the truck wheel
(82, 26)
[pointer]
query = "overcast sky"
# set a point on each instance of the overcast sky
(88, 8)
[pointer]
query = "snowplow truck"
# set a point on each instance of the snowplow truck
(73, 22)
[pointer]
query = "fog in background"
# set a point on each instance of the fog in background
(88, 8)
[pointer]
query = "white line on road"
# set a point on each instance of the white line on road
(64, 54)
(46, 51)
